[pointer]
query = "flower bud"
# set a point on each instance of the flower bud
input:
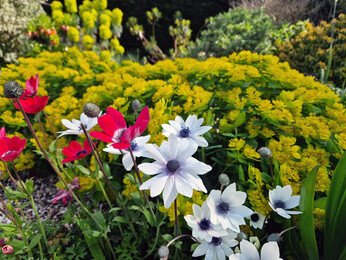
(223, 179)
(241, 235)
(265, 152)
(274, 237)
(13, 90)
(163, 252)
(136, 105)
(17, 210)
(91, 110)
(8, 250)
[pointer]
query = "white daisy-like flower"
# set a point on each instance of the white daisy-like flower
(202, 228)
(256, 220)
(74, 126)
(137, 147)
(190, 129)
(218, 248)
(269, 251)
(280, 200)
(177, 172)
(227, 208)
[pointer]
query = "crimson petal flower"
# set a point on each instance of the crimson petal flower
(115, 131)
(11, 148)
(2, 132)
(31, 87)
(75, 151)
(64, 194)
(33, 105)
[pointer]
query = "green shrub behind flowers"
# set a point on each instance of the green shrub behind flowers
(251, 101)
(308, 52)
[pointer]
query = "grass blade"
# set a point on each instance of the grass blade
(306, 220)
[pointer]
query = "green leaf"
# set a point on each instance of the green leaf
(306, 220)
(120, 219)
(17, 244)
(266, 178)
(35, 240)
(8, 228)
(167, 237)
(241, 118)
(241, 173)
(83, 170)
(335, 232)
(29, 186)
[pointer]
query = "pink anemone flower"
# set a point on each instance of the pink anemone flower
(75, 151)
(65, 194)
(115, 130)
(31, 87)
(11, 148)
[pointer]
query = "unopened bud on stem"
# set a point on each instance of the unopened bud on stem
(91, 110)
(13, 90)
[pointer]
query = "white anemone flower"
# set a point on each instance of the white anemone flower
(227, 208)
(218, 248)
(269, 251)
(280, 200)
(256, 220)
(190, 129)
(137, 147)
(202, 228)
(177, 172)
(74, 126)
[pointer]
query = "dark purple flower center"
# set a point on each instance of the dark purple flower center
(7, 153)
(172, 165)
(279, 204)
(185, 132)
(133, 145)
(204, 224)
(223, 208)
(85, 126)
(81, 152)
(254, 217)
(216, 241)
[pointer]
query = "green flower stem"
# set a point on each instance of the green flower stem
(44, 133)
(98, 159)
(32, 202)
(176, 230)
(110, 246)
(155, 243)
(15, 182)
(109, 203)
(21, 212)
(9, 215)
(140, 182)
(53, 165)
(40, 248)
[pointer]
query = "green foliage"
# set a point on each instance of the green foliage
(236, 30)
(308, 52)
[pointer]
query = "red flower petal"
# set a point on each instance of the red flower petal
(121, 146)
(2, 132)
(117, 117)
(101, 136)
(75, 146)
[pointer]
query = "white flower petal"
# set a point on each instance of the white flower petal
(195, 182)
(201, 249)
(127, 161)
(282, 213)
(192, 165)
(241, 211)
(142, 140)
(249, 250)
(153, 152)
(220, 253)
(169, 192)
(183, 187)
(186, 150)
(270, 251)
(209, 255)
(150, 168)
(191, 121)
(69, 125)
(200, 141)
(159, 184)
(202, 130)
(233, 198)
(292, 202)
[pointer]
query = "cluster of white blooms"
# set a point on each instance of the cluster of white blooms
(15, 16)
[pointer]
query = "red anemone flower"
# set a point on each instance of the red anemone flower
(75, 151)
(2, 132)
(115, 131)
(65, 194)
(31, 87)
(33, 105)
(11, 148)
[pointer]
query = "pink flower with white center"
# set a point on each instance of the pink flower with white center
(177, 172)
(65, 194)
(31, 87)
(115, 130)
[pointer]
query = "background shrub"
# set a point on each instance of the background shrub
(251, 101)
(308, 52)
(239, 29)
(15, 16)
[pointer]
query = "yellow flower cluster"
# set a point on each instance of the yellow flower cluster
(319, 218)
(73, 34)
(56, 5)
(88, 42)
(71, 6)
